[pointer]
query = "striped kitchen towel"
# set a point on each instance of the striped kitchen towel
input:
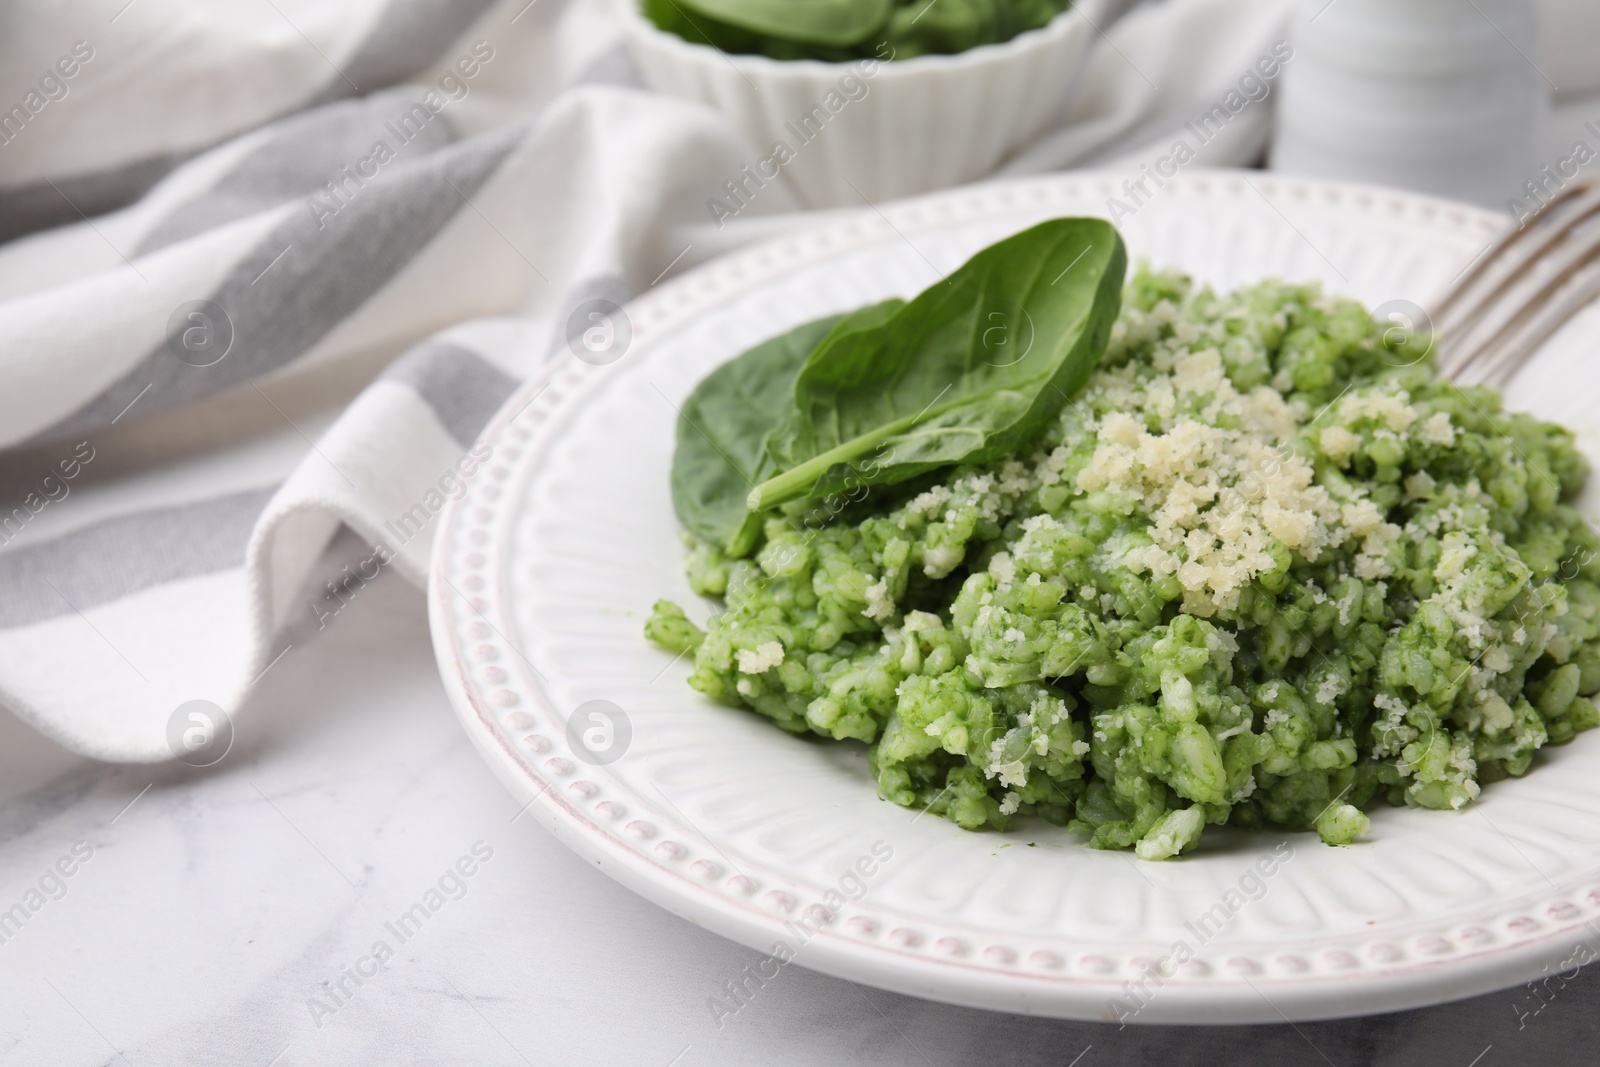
(268, 269)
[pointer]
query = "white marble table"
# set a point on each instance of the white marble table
(216, 904)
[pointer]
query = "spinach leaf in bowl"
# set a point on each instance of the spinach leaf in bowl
(837, 31)
(942, 27)
(838, 23)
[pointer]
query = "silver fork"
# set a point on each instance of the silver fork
(1526, 286)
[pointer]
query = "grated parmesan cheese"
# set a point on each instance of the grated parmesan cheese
(761, 658)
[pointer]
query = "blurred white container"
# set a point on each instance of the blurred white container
(920, 124)
(1441, 96)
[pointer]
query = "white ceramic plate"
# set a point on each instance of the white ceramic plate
(545, 571)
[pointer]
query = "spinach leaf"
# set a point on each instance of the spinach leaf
(823, 22)
(723, 426)
(837, 31)
(931, 27)
(965, 373)
(721, 431)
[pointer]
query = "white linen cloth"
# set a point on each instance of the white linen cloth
(383, 213)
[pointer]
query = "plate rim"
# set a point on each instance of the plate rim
(1217, 999)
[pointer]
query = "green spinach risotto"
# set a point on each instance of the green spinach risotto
(1263, 567)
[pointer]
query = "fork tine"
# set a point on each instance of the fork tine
(1510, 256)
(1499, 364)
(1519, 294)
(1508, 237)
(1565, 292)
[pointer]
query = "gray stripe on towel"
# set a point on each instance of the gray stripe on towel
(595, 287)
(302, 154)
(462, 387)
(117, 557)
(308, 276)
(406, 39)
(29, 208)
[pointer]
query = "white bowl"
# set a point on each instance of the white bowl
(897, 128)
